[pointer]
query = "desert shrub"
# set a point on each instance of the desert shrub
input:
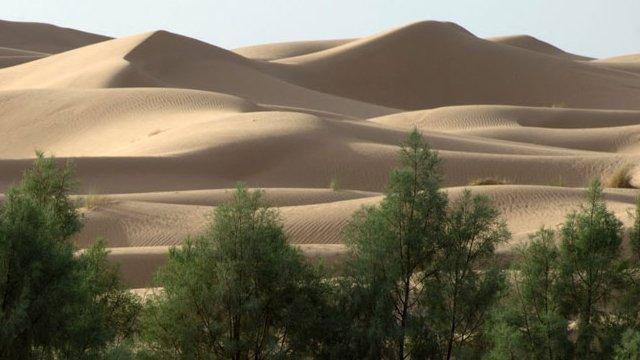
(237, 291)
(94, 200)
(558, 182)
(621, 177)
(488, 181)
(334, 184)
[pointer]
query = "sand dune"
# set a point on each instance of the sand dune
(628, 63)
(283, 50)
(431, 64)
(592, 130)
(10, 57)
(160, 127)
(488, 116)
(531, 43)
(276, 51)
(126, 222)
(43, 38)
(156, 60)
(137, 140)
(317, 228)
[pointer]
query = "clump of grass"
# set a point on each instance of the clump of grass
(334, 184)
(559, 105)
(559, 182)
(621, 178)
(488, 181)
(93, 200)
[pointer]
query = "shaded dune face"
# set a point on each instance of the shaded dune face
(161, 127)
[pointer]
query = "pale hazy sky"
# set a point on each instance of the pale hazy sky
(597, 28)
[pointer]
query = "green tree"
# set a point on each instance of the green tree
(238, 291)
(36, 280)
(106, 313)
(392, 250)
(528, 323)
(53, 303)
(592, 273)
(467, 281)
(629, 346)
(50, 185)
(634, 234)
(412, 286)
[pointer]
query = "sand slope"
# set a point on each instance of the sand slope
(161, 127)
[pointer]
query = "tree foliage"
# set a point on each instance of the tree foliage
(591, 272)
(412, 286)
(528, 323)
(571, 293)
(238, 291)
(50, 186)
(53, 303)
(467, 281)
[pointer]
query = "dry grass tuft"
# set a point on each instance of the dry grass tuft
(335, 184)
(621, 178)
(94, 200)
(488, 181)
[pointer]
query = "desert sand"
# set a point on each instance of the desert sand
(161, 127)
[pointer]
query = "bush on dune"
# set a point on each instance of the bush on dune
(488, 181)
(621, 177)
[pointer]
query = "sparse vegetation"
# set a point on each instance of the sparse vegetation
(334, 184)
(488, 181)
(621, 177)
(558, 182)
(94, 200)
